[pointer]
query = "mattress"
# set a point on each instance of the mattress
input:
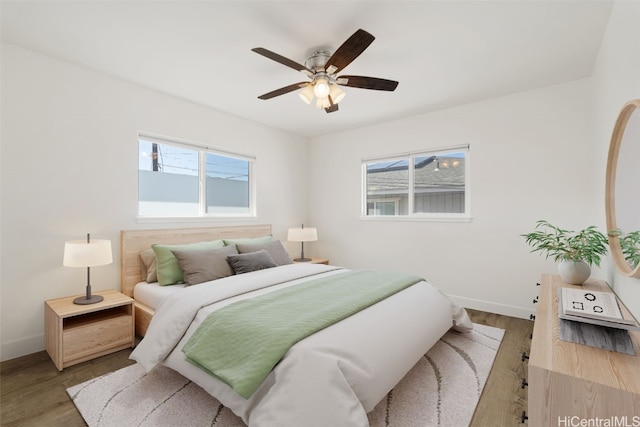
(151, 294)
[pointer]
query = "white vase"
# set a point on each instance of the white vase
(574, 272)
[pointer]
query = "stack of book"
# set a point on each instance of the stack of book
(597, 308)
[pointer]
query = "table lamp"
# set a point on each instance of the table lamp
(302, 235)
(89, 253)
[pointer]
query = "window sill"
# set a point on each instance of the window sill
(193, 219)
(401, 218)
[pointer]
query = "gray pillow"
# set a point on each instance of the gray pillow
(275, 249)
(167, 268)
(203, 265)
(252, 261)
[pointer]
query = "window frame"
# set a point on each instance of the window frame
(411, 215)
(202, 150)
(376, 201)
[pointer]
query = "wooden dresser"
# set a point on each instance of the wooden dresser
(570, 382)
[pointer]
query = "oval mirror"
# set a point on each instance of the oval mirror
(621, 192)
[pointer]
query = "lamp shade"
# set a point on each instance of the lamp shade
(336, 93)
(79, 253)
(309, 234)
(323, 102)
(307, 94)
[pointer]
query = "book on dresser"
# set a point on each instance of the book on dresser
(594, 307)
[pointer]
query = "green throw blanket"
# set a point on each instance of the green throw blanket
(242, 342)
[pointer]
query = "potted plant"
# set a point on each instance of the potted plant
(575, 251)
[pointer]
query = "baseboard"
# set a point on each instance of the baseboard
(493, 307)
(21, 347)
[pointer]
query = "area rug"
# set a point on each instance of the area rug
(442, 389)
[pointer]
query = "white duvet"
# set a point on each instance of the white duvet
(331, 378)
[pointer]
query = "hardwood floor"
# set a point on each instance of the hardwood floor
(504, 399)
(33, 391)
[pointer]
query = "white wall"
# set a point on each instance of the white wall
(539, 154)
(616, 80)
(532, 157)
(69, 167)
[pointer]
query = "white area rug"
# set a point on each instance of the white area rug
(442, 389)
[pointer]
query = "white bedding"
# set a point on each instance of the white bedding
(152, 294)
(332, 378)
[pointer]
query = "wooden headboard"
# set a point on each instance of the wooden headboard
(132, 242)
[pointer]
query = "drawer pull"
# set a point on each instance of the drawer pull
(524, 356)
(532, 316)
(538, 284)
(524, 383)
(523, 417)
(535, 300)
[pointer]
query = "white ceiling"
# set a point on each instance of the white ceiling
(443, 53)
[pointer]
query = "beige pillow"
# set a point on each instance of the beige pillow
(148, 266)
(204, 265)
(249, 240)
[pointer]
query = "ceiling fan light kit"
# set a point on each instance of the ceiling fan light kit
(321, 87)
(323, 102)
(322, 67)
(336, 93)
(307, 94)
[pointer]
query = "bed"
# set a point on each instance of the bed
(331, 377)
(134, 242)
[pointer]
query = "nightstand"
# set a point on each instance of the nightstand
(314, 260)
(77, 333)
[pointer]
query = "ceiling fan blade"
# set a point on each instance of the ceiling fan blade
(282, 60)
(369, 83)
(349, 50)
(333, 107)
(283, 90)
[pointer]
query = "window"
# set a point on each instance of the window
(177, 179)
(422, 185)
(382, 207)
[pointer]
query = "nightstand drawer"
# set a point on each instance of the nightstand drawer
(89, 337)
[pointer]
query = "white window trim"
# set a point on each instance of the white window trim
(435, 217)
(202, 150)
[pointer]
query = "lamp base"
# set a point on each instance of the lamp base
(302, 259)
(84, 300)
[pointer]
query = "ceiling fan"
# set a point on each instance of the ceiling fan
(322, 67)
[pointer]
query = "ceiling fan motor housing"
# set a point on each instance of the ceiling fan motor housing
(317, 61)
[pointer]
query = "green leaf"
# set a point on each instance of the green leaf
(586, 245)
